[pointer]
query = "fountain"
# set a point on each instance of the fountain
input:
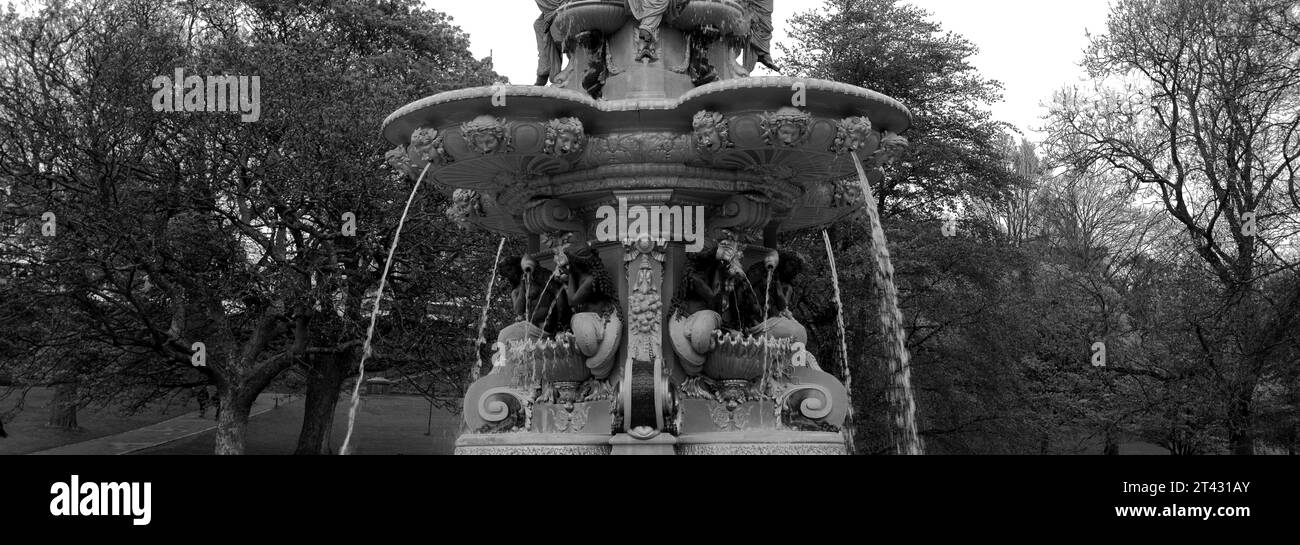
(651, 178)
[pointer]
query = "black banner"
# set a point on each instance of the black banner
(337, 496)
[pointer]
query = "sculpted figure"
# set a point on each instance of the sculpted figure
(592, 299)
(550, 58)
(694, 314)
(760, 34)
(786, 127)
(565, 136)
(649, 15)
(426, 144)
(531, 298)
(779, 320)
(712, 132)
(851, 134)
(486, 135)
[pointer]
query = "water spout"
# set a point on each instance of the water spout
(374, 316)
(847, 373)
(901, 401)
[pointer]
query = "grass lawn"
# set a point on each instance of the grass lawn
(27, 431)
(385, 425)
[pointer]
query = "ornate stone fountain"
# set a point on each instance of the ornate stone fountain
(639, 329)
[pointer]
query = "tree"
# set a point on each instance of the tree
(1199, 102)
(185, 230)
(896, 49)
(956, 154)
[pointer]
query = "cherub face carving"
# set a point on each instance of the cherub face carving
(426, 144)
(711, 132)
(851, 135)
(486, 135)
(788, 127)
(565, 136)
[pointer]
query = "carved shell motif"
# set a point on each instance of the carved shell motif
(712, 132)
(565, 136)
(486, 135)
(787, 127)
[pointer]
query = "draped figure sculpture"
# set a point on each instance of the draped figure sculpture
(760, 35)
(649, 15)
(550, 57)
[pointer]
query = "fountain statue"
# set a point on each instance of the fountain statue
(652, 177)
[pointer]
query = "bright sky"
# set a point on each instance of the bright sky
(1031, 46)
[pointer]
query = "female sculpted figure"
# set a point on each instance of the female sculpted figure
(550, 58)
(592, 298)
(760, 34)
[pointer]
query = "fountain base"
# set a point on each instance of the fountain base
(536, 444)
(762, 442)
(660, 445)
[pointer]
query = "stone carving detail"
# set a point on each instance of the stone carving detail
(760, 34)
(549, 57)
(571, 420)
(787, 127)
(712, 132)
(649, 15)
(891, 149)
(729, 417)
(852, 133)
(531, 296)
(589, 303)
(565, 137)
(466, 205)
(426, 144)
(398, 160)
(486, 135)
(551, 216)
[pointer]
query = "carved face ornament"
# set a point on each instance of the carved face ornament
(565, 136)
(486, 135)
(426, 143)
(853, 133)
(787, 127)
(711, 131)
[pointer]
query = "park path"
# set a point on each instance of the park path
(161, 433)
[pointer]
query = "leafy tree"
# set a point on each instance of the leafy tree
(1199, 102)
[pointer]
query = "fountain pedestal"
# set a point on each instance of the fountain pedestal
(652, 181)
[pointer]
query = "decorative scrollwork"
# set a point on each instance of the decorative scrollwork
(806, 406)
(504, 409)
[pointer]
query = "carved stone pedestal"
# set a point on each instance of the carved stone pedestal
(532, 444)
(659, 445)
(764, 442)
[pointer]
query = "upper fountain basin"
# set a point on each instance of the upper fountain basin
(785, 137)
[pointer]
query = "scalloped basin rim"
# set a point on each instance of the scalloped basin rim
(897, 118)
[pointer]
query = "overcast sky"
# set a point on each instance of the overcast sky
(1032, 46)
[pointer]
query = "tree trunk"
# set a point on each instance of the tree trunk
(1112, 442)
(323, 384)
(63, 408)
(1241, 440)
(232, 420)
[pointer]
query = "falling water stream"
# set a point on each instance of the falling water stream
(901, 401)
(482, 320)
(374, 316)
(844, 348)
